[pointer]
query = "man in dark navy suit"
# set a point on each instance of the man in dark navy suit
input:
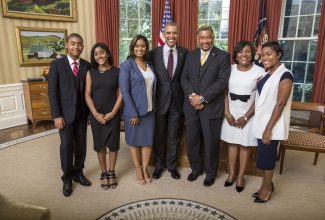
(66, 86)
(204, 78)
(168, 61)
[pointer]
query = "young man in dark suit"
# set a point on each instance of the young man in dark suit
(66, 86)
(168, 61)
(204, 78)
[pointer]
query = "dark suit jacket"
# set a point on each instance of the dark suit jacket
(134, 90)
(166, 87)
(208, 81)
(61, 89)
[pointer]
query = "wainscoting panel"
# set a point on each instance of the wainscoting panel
(12, 106)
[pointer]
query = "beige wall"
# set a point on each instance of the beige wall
(10, 71)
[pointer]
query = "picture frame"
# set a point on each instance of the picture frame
(54, 10)
(39, 46)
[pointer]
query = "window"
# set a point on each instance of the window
(215, 13)
(135, 18)
(298, 37)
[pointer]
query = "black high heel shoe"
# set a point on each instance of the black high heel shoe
(240, 188)
(258, 200)
(227, 183)
(255, 195)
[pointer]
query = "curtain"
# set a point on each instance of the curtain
(273, 16)
(184, 13)
(243, 20)
(107, 25)
(318, 94)
(187, 18)
(157, 11)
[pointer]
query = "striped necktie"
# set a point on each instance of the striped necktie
(204, 58)
(75, 69)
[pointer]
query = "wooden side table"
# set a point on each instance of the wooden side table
(36, 101)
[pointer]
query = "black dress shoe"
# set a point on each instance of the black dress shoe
(82, 180)
(157, 173)
(175, 174)
(194, 176)
(208, 181)
(67, 189)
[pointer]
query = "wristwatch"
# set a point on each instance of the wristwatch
(202, 99)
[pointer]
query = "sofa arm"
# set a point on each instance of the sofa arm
(12, 210)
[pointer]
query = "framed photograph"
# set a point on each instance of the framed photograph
(39, 46)
(54, 10)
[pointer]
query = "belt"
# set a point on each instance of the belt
(243, 98)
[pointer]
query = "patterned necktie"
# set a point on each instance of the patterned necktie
(75, 69)
(204, 58)
(170, 63)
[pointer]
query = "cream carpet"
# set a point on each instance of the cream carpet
(30, 172)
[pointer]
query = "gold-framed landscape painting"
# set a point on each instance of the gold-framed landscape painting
(54, 10)
(39, 46)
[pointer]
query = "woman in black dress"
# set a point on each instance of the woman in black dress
(104, 99)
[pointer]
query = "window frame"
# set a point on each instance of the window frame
(303, 85)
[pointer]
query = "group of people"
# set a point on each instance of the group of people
(152, 89)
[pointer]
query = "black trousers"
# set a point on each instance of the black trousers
(196, 126)
(167, 137)
(73, 147)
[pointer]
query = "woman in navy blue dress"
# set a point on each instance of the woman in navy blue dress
(138, 85)
(272, 115)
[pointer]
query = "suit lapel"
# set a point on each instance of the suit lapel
(197, 56)
(136, 68)
(82, 72)
(180, 57)
(160, 56)
(68, 70)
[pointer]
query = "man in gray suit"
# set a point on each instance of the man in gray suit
(204, 78)
(168, 61)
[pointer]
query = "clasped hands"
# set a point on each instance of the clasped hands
(101, 118)
(195, 101)
(239, 123)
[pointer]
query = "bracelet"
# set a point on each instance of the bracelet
(228, 116)
(246, 119)
(96, 115)
(112, 116)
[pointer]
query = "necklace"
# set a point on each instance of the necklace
(102, 71)
(143, 63)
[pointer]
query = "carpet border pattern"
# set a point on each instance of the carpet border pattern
(165, 208)
(27, 138)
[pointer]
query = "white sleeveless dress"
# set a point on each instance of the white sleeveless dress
(241, 83)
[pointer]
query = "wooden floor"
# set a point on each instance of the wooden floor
(13, 133)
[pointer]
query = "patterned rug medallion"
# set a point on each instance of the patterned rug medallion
(170, 209)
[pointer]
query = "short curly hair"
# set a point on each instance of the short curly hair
(240, 46)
